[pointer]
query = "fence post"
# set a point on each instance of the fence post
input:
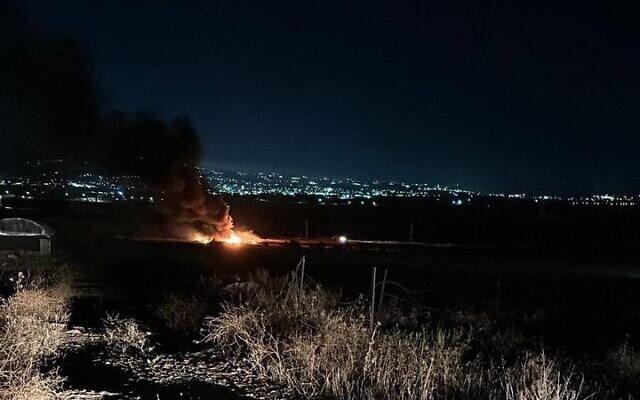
(384, 282)
(303, 261)
(373, 297)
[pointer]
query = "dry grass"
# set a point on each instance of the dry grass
(301, 338)
(123, 335)
(32, 325)
(537, 377)
(29, 385)
(182, 314)
(623, 363)
(343, 358)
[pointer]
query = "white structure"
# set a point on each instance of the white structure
(25, 235)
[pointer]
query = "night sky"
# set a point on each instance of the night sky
(537, 97)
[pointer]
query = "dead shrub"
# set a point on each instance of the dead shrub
(623, 363)
(302, 338)
(538, 377)
(27, 384)
(32, 325)
(182, 313)
(124, 335)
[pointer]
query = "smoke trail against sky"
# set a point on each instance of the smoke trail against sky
(49, 108)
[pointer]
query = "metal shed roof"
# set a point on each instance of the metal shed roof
(23, 227)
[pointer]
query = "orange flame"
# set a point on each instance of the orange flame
(234, 238)
(200, 238)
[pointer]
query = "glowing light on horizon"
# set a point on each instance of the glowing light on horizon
(233, 239)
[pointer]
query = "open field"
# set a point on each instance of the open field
(326, 200)
(577, 300)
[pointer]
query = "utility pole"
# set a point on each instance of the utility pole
(411, 231)
(306, 229)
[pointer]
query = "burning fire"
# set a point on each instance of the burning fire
(235, 238)
(200, 238)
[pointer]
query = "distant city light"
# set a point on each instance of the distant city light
(326, 191)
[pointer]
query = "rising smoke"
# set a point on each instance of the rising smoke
(49, 109)
(165, 155)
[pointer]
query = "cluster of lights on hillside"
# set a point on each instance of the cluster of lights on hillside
(88, 187)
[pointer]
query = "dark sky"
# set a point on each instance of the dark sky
(489, 95)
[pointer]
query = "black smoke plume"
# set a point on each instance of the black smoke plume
(49, 108)
(165, 155)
